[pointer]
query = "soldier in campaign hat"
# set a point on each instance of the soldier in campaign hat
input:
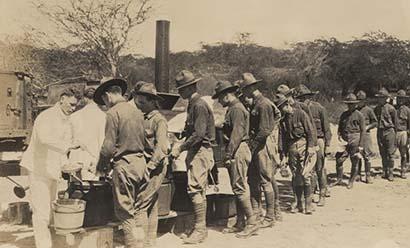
(403, 130)
(386, 131)
(237, 157)
(199, 134)
(351, 129)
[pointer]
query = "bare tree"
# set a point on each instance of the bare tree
(102, 26)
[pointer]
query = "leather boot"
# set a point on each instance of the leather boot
(240, 219)
(403, 171)
(367, 166)
(359, 172)
(256, 203)
(252, 226)
(278, 212)
(269, 219)
(308, 199)
(322, 198)
(390, 171)
(200, 233)
(339, 173)
(353, 173)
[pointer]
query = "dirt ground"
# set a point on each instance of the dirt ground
(367, 216)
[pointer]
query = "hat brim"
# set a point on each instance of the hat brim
(232, 88)
(351, 102)
(313, 93)
(99, 92)
(156, 97)
(189, 83)
(381, 95)
(253, 83)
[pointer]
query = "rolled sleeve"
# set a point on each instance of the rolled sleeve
(161, 146)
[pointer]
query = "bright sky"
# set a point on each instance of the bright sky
(271, 22)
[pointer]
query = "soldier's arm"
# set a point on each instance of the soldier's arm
(326, 126)
(373, 120)
(362, 124)
(308, 127)
(161, 146)
(108, 147)
(394, 117)
(237, 119)
(277, 114)
(340, 125)
(200, 113)
(265, 125)
(306, 108)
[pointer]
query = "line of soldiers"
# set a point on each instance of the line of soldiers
(262, 136)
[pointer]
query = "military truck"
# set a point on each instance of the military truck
(16, 119)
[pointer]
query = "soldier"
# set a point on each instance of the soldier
(200, 138)
(371, 122)
(296, 144)
(352, 129)
(403, 129)
(264, 120)
(324, 136)
(237, 157)
(124, 145)
(156, 128)
(386, 131)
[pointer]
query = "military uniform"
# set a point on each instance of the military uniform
(324, 136)
(124, 143)
(403, 129)
(236, 129)
(297, 142)
(370, 120)
(156, 129)
(200, 137)
(264, 121)
(351, 129)
(386, 136)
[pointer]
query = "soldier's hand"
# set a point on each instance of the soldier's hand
(228, 163)
(327, 152)
(340, 138)
(175, 152)
(311, 150)
(361, 149)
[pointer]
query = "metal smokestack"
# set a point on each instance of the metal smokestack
(162, 56)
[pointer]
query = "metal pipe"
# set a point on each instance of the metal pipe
(162, 56)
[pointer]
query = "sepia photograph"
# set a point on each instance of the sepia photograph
(204, 124)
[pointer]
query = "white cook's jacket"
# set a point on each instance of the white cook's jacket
(88, 127)
(50, 139)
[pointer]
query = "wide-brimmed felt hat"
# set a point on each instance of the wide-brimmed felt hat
(302, 90)
(222, 87)
(185, 78)
(283, 89)
(361, 95)
(105, 85)
(383, 93)
(350, 99)
(280, 99)
(148, 89)
(247, 79)
(402, 94)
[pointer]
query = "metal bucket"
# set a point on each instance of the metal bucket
(68, 214)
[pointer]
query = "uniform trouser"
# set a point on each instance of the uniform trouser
(128, 183)
(386, 140)
(402, 145)
(238, 174)
(199, 162)
(149, 201)
(367, 151)
(301, 165)
(352, 148)
(43, 192)
(261, 175)
(320, 165)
